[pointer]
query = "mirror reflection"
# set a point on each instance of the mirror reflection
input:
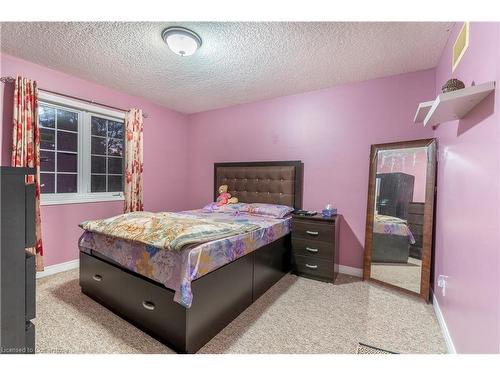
(396, 256)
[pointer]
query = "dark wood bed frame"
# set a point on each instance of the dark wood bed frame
(219, 296)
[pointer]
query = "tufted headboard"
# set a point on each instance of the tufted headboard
(274, 182)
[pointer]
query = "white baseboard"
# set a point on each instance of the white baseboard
(351, 270)
(444, 327)
(56, 268)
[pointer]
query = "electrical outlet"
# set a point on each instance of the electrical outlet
(443, 283)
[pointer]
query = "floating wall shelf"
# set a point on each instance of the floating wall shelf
(452, 105)
(422, 111)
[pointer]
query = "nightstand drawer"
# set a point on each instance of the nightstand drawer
(313, 267)
(312, 248)
(314, 231)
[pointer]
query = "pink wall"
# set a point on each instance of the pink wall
(413, 162)
(165, 155)
(330, 130)
(468, 201)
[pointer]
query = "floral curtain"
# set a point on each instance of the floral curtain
(133, 161)
(26, 147)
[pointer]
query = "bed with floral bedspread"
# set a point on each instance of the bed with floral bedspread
(391, 240)
(392, 225)
(176, 263)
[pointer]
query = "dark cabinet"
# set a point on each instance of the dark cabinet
(17, 267)
(315, 246)
(395, 192)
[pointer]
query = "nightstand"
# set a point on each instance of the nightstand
(315, 246)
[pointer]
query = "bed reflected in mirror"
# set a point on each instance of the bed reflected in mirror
(401, 196)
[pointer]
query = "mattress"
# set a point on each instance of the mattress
(177, 269)
(393, 226)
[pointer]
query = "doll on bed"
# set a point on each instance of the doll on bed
(224, 197)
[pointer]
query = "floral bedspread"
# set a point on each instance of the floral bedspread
(177, 269)
(166, 230)
(392, 225)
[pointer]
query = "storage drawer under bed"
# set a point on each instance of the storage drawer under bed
(145, 304)
(221, 295)
(152, 308)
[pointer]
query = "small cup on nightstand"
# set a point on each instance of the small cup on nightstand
(329, 211)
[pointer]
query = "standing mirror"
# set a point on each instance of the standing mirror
(400, 213)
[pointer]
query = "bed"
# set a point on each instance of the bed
(184, 299)
(391, 240)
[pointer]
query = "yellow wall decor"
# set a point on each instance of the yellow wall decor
(460, 46)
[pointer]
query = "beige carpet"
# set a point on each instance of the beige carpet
(297, 315)
(404, 275)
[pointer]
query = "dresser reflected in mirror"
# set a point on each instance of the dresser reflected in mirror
(399, 223)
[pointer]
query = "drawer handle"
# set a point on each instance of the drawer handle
(311, 266)
(312, 250)
(97, 277)
(312, 233)
(148, 305)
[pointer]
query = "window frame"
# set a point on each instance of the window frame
(85, 112)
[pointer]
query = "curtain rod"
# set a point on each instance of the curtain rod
(12, 79)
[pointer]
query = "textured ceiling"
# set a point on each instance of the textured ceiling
(237, 63)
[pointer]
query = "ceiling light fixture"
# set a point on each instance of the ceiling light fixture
(181, 41)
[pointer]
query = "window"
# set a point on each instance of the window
(58, 150)
(81, 151)
(106, 172)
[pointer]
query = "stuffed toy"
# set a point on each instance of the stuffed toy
(224, 197)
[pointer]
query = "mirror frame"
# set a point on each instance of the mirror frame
(428, 226)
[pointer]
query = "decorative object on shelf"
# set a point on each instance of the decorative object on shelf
(452, 85)
(329, 211)
(452, 105)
